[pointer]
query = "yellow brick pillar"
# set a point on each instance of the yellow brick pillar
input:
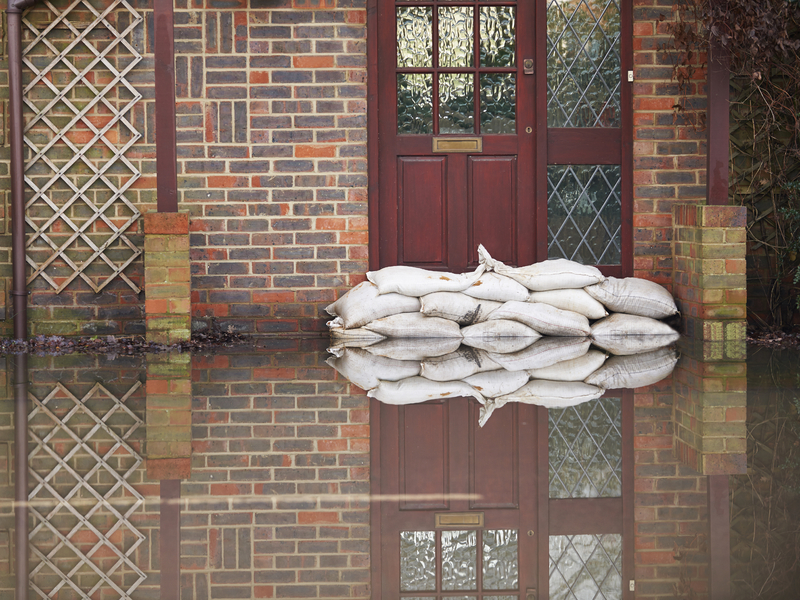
(167, 278)
(169, 416)
(709, 272)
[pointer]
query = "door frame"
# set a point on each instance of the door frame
(545, 138)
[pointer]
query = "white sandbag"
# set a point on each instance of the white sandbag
(340, 334)
(418, 389)
(574, 300)
(414, 349)
(624, 335)
(415, 325)
(626, 345)
(504, 345)
(545, 319)
(502, 336)
(497, 383)
(556, 274)
(576, 369)
(622, 324)
(499, 328)
(553, 394)
(457, 365)
(411, 281)
(457, 307)
(363, 304)
(634, 296)
(635, 371)
(366, 370)
(543, 353)
(492, 286)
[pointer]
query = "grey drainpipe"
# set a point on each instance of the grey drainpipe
(19, 291)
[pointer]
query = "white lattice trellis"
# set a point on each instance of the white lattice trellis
(81, 495)
(72, 111)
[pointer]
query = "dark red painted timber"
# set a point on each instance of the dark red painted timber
(21, 474)
(166, 147)
(170, 539)
(719, 538)
(718, 123)
(19, 292)
(584, 146)
(373, 147)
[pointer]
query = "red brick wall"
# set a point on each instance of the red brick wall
(669, 163)
(272, 145)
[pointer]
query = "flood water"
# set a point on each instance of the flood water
(261, 472)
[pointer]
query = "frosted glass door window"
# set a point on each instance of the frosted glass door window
(456, 68)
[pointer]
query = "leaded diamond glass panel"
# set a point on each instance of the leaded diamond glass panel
(459, 558)
(583, 63)
(414, 37)
(584, 213)
(500, 567)
(585, 450)
(455, 36)
(456, 103)
(417, 561)
(414, 103)
(586, 566)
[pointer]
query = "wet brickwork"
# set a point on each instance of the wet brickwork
(277, 505)
(671, 516)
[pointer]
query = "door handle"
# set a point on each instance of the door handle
(530, 594)
(527, 66)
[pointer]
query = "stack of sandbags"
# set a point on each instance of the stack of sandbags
(558, 298)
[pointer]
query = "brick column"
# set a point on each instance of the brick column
(710, 409)
(169, 416)
(709, 276)
(167, 277)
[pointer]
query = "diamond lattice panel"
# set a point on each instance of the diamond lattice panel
(83, 541)
(583, 63)
(586, 566)
(77, 133)
(584, 213)
(585, 450)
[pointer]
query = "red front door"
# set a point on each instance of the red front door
(502, 123)
(456, 154)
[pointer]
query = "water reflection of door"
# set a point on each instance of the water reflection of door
(530, 506)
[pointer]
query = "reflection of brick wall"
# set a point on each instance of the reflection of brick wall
(279, 447)
(670, 504)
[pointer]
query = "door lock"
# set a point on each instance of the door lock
(530, 594)
(527, 66)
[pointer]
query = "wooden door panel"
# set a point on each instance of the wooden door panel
(424, 456)
(422, 196)
(492, 201)
(494, 464)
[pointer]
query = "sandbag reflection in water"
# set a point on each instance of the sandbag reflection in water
(550, 372)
